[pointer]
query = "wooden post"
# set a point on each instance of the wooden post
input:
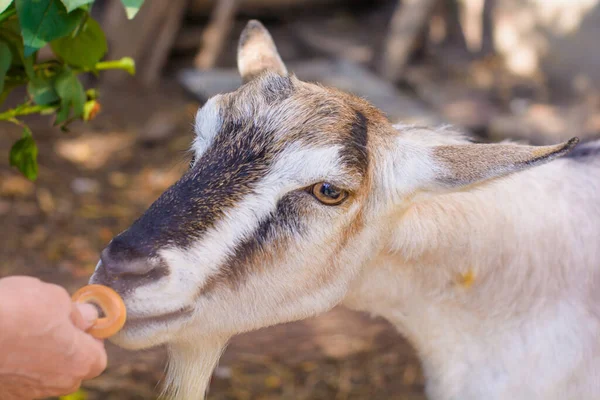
(147, 38)
(216, 33)
(487, 39)
(158, 53)
(406, 26)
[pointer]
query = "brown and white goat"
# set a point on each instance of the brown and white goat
(485, 256)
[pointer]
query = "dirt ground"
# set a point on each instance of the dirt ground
(94, 181)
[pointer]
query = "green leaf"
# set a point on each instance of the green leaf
(5, 61)
(23, 155)
(85, 49)
(70, 5)
(41, 89)
(43, 21)
(28, 65)
(132, 7)
(4, 5)
(10, 32)
(71, 95)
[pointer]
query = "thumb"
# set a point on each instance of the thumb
(84, 315)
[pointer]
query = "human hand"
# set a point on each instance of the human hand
(44, 349)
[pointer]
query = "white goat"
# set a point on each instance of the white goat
(300, 198)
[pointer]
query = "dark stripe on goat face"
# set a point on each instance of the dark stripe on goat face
(354, 153)
(238, 159)
(263, 245)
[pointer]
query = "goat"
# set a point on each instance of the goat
(301, 197)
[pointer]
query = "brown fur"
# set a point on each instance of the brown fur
(466, 164)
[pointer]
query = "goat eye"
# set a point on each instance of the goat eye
(328, 194)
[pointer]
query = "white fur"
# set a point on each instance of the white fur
(496, 285)
(190, 367)
(207, 125)
(528, 327)
(525, 325)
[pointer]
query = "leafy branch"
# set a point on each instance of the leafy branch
(78, 45)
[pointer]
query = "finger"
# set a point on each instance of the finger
(84, 315)
(15, 281)
(94, 358)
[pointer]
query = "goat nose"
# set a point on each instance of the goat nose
(118, 259)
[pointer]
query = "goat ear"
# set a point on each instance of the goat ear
(257, 52)
(466, 164)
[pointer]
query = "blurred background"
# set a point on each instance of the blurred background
(521, 69)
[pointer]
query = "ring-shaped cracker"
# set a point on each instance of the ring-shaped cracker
(111, 304)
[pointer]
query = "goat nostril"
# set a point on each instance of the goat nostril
(116, 265)
(138, 267)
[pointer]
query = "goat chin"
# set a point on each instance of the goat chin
(190, 367)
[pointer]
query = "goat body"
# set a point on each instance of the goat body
(498, 288)
(300, 198)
